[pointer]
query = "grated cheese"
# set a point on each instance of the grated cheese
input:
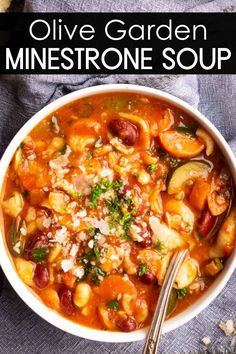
(206, 340)
(67, 264)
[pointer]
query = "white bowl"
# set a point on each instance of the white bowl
(27, 294)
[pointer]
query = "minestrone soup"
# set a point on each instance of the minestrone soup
(98, 197)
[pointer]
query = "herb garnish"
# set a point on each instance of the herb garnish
(181, 293)
(39, 254)
(89, 155)
(142, 269)
(113, 205)
(151, 168)
(160, 246)
(113, 304)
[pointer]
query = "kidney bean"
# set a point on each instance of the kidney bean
(36, 241)
(147, 238)
(205, 222)
(41, 276)
(66, 300)
(124, 130)
(147, 242)
(148, 278)
(127, 324)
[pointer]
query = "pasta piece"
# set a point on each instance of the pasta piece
(80, 123)
(162, 233)
(225, 241)
(155, 198)
(129, 266)
(102, 150)
(117, 143)
(165, 260)
(145, 131)
(14, 205)
(141, 310)
(179, 215)
(156, 262)
(148, 159)
(25, 270)
(187, 273)
(143, 177)
(17, 159)
(57, 144)
(78, 143)
(207, 139)
(128, 303)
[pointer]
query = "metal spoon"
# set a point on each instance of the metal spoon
(154, 334)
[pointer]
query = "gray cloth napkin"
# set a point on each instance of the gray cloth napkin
(22, 331)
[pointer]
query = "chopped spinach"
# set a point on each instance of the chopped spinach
(185, 130)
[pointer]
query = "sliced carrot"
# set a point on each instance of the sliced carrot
(199, 194)
(114, 285)
(180, 144)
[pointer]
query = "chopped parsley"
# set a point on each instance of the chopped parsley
(39, 254)
(95, 194)
(90, 229)
(142, 269)
(127, 221)
(102, 187)
(117, 185)
(113, 205)
(113, 304)
(89, 155)
(181, 293)
(160, 246)
(96, 274)
(96, 252)
(76, 195)
(105, 185)
(125, 237)
(151, 168)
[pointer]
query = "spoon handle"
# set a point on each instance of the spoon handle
(155, 330)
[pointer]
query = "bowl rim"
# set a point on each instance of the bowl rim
(31, 299)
